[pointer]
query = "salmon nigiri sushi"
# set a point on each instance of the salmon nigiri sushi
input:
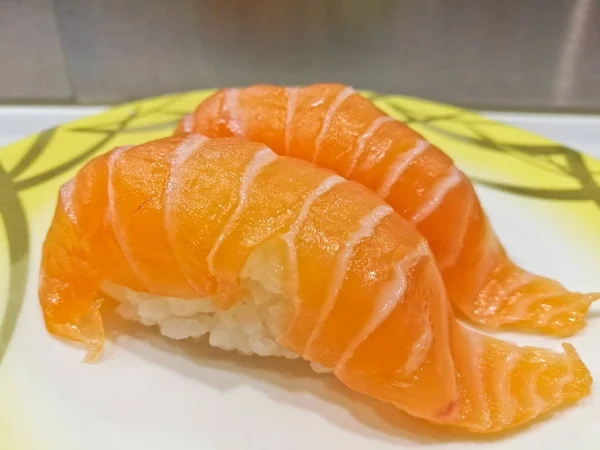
(335, 127)
(272, 255)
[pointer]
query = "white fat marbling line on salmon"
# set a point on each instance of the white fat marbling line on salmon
(499, 293)
(459, 237)
(517, 282)
(362, 140)
(188, 123)
(535, 403)
(565, 380)
(232, 106)
(436, 195)
(400, 164)
(520, 308)
(366, 227)
(573, 301)
(342, 96)
(506, 402)
(66, 198)
(113, 216)
(388, 298)
(290, 237)
(261, 159)
(183, 151)
(492, 255)
(420, 349)
(475, 348)
(570, 307)
(292, 98)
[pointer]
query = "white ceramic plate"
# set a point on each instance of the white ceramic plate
(151, 393)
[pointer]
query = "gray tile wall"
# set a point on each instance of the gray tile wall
(535, 54)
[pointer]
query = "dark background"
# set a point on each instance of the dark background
(502, 54)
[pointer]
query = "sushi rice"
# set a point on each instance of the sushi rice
(251, 326)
